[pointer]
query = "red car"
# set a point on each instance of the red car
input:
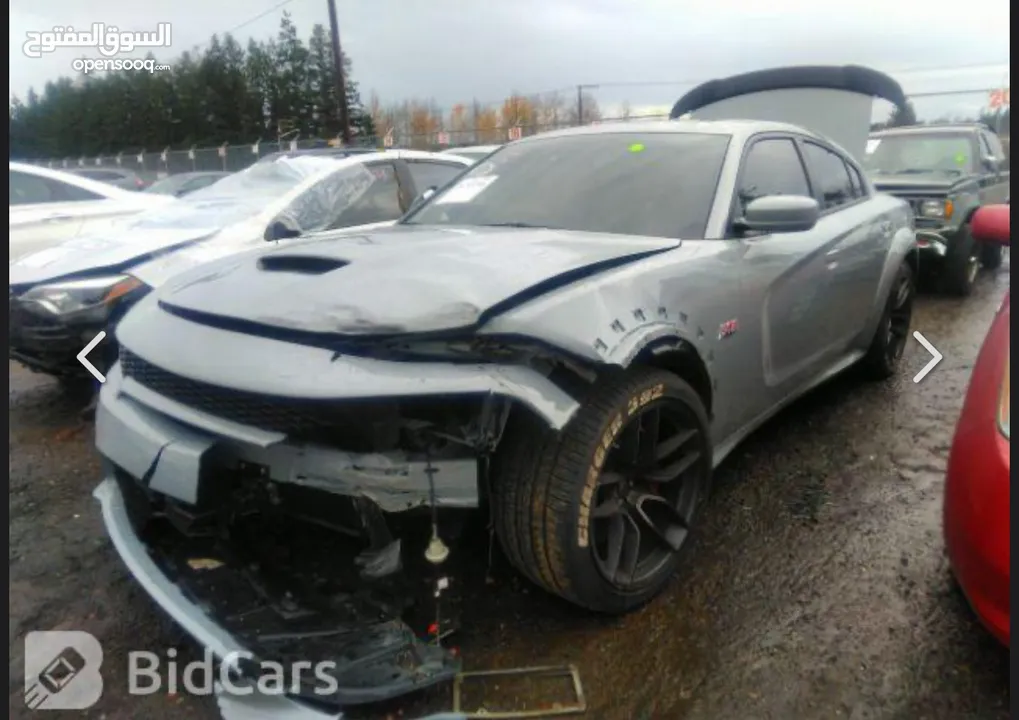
(976, 512)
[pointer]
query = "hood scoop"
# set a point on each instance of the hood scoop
(300, 264)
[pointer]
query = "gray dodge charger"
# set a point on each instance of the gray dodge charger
(571, 336)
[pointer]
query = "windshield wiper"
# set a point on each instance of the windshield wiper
(518, 225)
(925, 171)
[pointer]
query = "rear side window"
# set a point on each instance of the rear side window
(856, 181)
(832, 185)
(381, 202)
(772, 167)
(431, 174)
(26, 189)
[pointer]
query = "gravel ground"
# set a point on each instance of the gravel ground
(816, 588)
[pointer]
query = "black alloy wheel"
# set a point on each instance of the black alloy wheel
(900, 316)
(599, 512)
(647, 494)
(893, 330)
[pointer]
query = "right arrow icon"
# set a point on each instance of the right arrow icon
(934, 360)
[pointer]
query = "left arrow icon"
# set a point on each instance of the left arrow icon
(83, 356)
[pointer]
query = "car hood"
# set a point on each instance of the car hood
(398, 280)
(92, 255)
(157, 271)
(934, 182)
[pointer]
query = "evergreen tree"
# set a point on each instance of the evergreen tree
(222, 93)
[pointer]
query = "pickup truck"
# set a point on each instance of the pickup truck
(945, 172)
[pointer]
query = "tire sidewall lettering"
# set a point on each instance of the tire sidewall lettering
(635, 404)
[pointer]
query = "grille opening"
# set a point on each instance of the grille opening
(358, 426)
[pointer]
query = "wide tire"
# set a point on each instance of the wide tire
(990, 256)
(961, 263)
(885, 351)
(545, 484)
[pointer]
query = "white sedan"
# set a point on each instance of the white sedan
(49, 207)
(474, 152)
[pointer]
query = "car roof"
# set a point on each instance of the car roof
(100, 188)
(740, 129)
(197, 173)
(471, 148)
(358, 158)
(959, 128)
(320, 152)
(100, 168)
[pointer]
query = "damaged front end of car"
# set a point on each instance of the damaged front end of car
(311, 530)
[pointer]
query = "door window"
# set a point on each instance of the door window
(856, 181)
(772, 167)
(432, 174)
(828, 171)
(379, 203)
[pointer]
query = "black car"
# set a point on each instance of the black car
(125, 179)
(945, 172)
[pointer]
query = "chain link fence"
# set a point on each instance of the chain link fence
(152, 165)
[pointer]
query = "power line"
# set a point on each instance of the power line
(258, 17)
(249, 21)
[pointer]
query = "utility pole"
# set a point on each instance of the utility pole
(341, 86)
(580, 101)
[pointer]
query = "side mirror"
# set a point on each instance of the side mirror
(780, 214)
(422, 198)
(991, 224)
(281, 229)
(990, 163)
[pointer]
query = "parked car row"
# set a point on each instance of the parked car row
(320, 357)
(67, 293)
(48, 207)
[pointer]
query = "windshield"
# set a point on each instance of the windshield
(236, 197)
(915, 153)
(168, 185)
(651, 184)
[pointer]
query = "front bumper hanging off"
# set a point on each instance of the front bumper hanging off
(149, 454)
(166, 466)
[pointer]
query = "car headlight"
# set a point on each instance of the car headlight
(68, 297)
(941, 209)
(1004, 402)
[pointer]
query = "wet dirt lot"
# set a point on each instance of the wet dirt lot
(816, 588)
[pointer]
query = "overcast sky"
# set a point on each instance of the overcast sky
(456, 50)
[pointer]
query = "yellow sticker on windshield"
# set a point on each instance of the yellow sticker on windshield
(960, 159)
(637, 147)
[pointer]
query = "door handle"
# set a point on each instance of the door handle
(56, 218)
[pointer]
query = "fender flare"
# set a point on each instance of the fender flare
(665, 339)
